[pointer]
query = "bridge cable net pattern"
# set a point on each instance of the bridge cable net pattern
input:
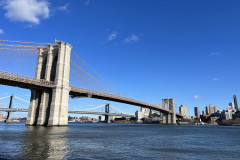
(84, 76)
(19, 106)
(19, 58)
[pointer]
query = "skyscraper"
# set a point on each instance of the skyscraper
(211, 109)
(235, 102)
(197, 112)
(183, 110)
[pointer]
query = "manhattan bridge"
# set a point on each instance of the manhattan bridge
(53, 73)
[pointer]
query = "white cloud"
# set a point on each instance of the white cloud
(215, 54)
(26, 10)
(1, 31)
(215, 79)
(196, 97)
(132, 38)
(112, 36)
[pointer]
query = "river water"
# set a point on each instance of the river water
(118, 141)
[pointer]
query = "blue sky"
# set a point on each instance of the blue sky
(150, 49)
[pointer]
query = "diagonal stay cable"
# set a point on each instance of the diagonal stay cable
(98, 73)
(93, 77)
(86, 79)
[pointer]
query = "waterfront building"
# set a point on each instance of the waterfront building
(183, 110)
(197, 112)
(143, 113)
(211, 109)
(101, 118)
(112, 118)
(227, 114)
(1, 116)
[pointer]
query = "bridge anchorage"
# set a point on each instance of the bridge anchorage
(50, 87)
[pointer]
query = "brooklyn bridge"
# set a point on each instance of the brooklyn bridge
(53, 73)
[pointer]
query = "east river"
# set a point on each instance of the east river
(118, 141)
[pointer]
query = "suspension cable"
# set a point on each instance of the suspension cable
(23, 100)
(21, 42)
(5, 97)
(94, 108)
(111, 106)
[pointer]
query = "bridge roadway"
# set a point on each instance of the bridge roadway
(12, 79)
(75, 112)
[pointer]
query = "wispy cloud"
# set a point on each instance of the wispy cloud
(27, 95)
(87, 2)
(1, 31)
(215, 79)
(132, 38)
(214, 54)
(63, 8)
(26, 10)
(112, 36)
(196, 97)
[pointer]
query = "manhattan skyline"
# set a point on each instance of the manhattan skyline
(149, 49)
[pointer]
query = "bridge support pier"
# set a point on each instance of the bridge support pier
(169, 117)
(51, 107)
(164, 118)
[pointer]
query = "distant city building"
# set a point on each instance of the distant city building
(101, 118)
(227, 114)
(183, 110)
(197, 112)
(202, 112)
(235, 102)
(112, 118)
(143, 113)
(1, 116)
(211, 109)
(231, 105)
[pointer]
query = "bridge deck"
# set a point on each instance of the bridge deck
(11, 79)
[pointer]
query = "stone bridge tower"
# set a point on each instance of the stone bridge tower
(169, 118)
(50, 107)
